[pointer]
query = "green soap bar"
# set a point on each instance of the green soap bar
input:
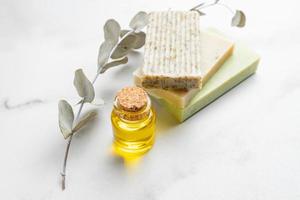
(237, 68)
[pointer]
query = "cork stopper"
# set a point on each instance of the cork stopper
(132, 99)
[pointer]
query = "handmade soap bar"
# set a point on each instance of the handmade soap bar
(172, 52)
(237, 68)
(214, 49)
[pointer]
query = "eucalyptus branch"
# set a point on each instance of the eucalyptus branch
(238, 19)
(227, 7)
(202, 5)
(112, 53)
(95, 78)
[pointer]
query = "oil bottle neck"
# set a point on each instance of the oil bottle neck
(141, 114)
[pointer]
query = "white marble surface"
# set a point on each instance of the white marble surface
(246, 145)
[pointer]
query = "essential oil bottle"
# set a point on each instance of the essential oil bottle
(133, 122)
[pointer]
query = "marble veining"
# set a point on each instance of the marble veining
(9, 106)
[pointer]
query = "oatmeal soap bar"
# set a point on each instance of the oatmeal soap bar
(172, 53)
(215, 50)
(240, 65)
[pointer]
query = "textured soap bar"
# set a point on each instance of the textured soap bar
(214, 49)
(172, 52)
(237, 68)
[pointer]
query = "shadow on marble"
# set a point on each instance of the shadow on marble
(129, 163)
(168, 122)
(107, 94)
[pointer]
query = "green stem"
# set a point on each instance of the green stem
(199, 5)
(95, 78)
(206, 5)
(63, 173)
(225, 6)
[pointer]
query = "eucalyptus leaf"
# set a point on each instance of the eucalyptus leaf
(104, 52)
(65, 118)
(123, 32)
(140, 38)
(124, 47)
(83, 86)
(239, 19)
(139, 21)
(84, 120)
(114, 63)
(112, 31)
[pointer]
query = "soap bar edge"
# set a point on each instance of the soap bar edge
(227, 87)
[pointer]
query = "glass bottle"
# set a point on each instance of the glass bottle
(133, 122)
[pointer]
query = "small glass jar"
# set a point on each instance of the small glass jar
(133, 122)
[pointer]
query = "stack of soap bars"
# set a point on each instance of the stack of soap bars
(186, 68)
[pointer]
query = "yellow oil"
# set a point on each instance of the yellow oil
(133, 138)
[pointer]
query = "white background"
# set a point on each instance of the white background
(245, 145)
